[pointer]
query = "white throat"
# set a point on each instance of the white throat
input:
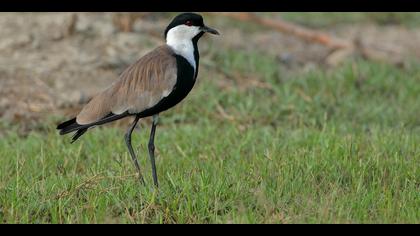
(180, 40)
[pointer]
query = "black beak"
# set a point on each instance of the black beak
(209, 30)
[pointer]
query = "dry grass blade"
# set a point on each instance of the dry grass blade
(90, 181)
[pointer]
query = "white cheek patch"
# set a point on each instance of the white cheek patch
(180, 38)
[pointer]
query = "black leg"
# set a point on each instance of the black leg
(152, 149)
(130, 148)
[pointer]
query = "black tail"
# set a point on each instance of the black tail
(72, 126)
(78, 134)
(66, 126)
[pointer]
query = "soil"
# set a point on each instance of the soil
(52, 63)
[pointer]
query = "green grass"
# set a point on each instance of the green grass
(328, 19)
(324, 20)
(335, 146)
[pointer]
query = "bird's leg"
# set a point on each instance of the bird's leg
(152, 149)
(130, 148)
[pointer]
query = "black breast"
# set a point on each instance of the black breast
(185, 82)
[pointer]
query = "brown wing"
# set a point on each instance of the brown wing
(139, 87)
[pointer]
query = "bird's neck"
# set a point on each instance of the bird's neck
(184, 48)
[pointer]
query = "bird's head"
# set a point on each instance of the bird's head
(187, 26)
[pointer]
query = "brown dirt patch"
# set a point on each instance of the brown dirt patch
(52, 63)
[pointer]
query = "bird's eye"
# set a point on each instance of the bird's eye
(188, 22)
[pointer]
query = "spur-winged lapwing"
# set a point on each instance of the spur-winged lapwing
(156, 82)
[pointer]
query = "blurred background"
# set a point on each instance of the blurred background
(52, 63)
(296, 117)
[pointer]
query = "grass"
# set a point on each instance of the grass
(325, 20)
(328, 19)
(324, 146)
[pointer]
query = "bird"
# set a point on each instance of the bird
(156, 82)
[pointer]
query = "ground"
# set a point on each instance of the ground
(270, 134)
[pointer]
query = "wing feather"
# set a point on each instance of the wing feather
(140, 86)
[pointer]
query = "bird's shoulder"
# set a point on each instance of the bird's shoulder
(159, 61)
(146, 82)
